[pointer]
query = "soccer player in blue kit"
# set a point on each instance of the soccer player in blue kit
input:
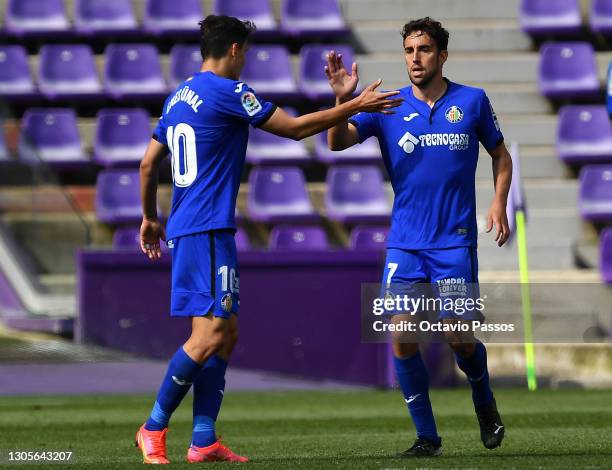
(205, 126)
(430, 149)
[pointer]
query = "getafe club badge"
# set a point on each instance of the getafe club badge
(226, 302)
(454, 114)
(250, 103)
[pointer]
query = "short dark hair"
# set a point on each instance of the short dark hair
(430, 26)
(218, 33)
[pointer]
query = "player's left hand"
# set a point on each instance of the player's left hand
(151, 231)
(497, 216)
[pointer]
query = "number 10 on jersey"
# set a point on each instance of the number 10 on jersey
(182, 143)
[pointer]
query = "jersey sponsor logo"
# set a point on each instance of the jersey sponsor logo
(250, 103)
(408, 142)
(411, 117)
(454, 114)
(185, 95)
(226, 302)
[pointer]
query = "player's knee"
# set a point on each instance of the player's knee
(405, 350)
(462, 348)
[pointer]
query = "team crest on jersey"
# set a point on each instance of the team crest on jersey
(454, 114)
(226, 302)
(250, 103)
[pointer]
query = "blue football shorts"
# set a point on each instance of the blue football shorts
(449, 274)
(204, 274)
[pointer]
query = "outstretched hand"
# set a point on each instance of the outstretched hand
(342, 83)
(151, 231)
(372, 101)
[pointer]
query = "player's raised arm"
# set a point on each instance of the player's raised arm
(297, 128)
(151, 229)
(343, 135)
(502, 177)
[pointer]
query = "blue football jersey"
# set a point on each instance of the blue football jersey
(205, 124)
(431, 156)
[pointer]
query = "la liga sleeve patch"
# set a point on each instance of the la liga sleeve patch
(250, 103)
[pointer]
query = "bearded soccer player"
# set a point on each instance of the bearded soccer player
(430, 149)
(205, 126)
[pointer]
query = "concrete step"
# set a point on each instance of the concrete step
(539, 194)
(403, 11)
(536, 162)
(486, 36)
(536, 129)
(553, 255)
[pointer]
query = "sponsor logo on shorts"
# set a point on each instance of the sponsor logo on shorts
(226, 303)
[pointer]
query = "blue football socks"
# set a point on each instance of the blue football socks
(180, 374)
(414, 382)
(475, 368)
(208, 390)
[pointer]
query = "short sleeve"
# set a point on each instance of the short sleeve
(366, 124)
(243, 103)
(159, 133)
(489, 132)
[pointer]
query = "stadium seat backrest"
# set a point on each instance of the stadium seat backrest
(118, 196)
(242, 240)
(68, 68)
(268, 68)
(313, 59)
(596, 192)
(355, 184)
(104, 15)
(257, 11)
(309, 237)
(15, 76)
(277, 185)
(50, 127)
(121, 135)
(185, 60)
(368, 237)
(304, 15)
(35, 15)
(584, 123)
(567, 60)
(606, 254)
(172, 14)
(137, 65)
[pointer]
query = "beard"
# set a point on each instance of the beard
(424, 80)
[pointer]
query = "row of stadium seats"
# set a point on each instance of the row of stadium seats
(122, 135)
(111, 17)
(135, 71)
(282, 237)
(563, 17)
(354, 195)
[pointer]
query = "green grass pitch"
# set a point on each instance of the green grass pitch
(567, 429)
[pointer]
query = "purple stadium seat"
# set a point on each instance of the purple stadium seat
(172, 17)
(605, 255)
(367, 152)
(15, 76)
(313, 59)
(596, 193)
(312, 18)
(35, 17)
(311, 237)
(601, 16)
(268, 71)
(549, 17)
(104, 16)
(584, 134)
(279, 194)
(266, 148)
(257, 11)
(118, 196)
(368, 238)
(568, 71)
(355, 194)
(242, 240)
(122, 136)
(133, 71)
(52, 135)
(185, 60)
(68, 71)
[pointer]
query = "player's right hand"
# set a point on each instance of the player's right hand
(151, 231)
(342, 84)
(372, 101)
